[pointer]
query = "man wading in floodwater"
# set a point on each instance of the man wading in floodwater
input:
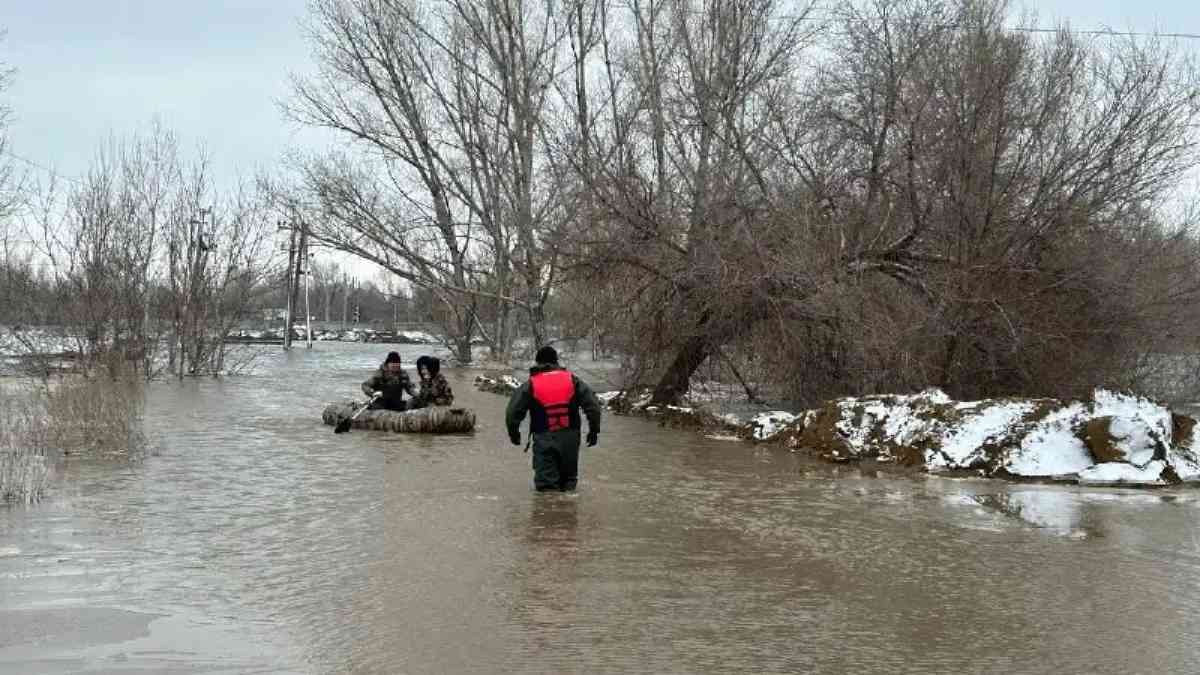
(553, 397)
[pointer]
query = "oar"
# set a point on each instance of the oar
(343, 424)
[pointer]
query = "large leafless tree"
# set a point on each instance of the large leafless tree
(446, 182)
(921, 199)
(880, 195)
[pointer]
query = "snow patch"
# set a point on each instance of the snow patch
(35, 342)
(1139, 427)
(505, 384)
(1051, 449)
(857, 428)
(935, 396)
(732, 419)
(765, 425)
(964, 446)
(1121, 473)
(1185, 461)
(418, 337)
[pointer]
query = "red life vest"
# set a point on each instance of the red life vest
(553, 391)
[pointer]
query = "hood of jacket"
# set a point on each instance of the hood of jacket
(432, 363)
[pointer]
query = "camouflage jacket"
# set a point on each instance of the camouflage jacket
(435, 391)
(392, 386)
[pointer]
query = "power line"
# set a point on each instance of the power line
(1113, 33)
(827, 15)
(1105, 32)
(43, 167)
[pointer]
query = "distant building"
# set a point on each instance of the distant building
(275, 314)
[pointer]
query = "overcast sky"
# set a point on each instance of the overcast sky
(213, 70)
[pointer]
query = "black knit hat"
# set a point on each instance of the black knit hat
(392, 357)
(546, 355)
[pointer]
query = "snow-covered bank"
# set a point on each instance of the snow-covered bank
(43, 341)
(498, 384)
(1108, 439)
(24, 343)
(405, 337)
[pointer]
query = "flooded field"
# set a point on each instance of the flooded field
(254, 539)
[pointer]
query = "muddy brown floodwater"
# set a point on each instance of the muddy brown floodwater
(255, 540)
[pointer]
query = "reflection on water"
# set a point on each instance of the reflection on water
(1054, 510)
(256, 540)
(547, 580)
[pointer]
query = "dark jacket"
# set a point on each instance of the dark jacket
(393, 387)
(522, 401)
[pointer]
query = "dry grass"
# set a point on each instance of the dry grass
(24, 473)
(98, 417)
(75, 416)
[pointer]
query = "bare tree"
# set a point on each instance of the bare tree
(1005, 158)
(326, 279)
(10, 179)
(397, 211)
(925, 197)
(244, 262)
(146, 258)
(17, 268)
(449, 102)
(925, 202)
(681, 174)
(98, 248)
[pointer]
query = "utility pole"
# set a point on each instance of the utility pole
(345, 299)
(191, 328)
(291, 276)
(302, 267)
(298, 264)
(307, 311)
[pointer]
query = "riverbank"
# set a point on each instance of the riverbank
(1108, 439)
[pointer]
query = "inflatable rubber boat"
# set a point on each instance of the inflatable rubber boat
(432, 420)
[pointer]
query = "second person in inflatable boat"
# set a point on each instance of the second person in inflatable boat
(434, 389)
